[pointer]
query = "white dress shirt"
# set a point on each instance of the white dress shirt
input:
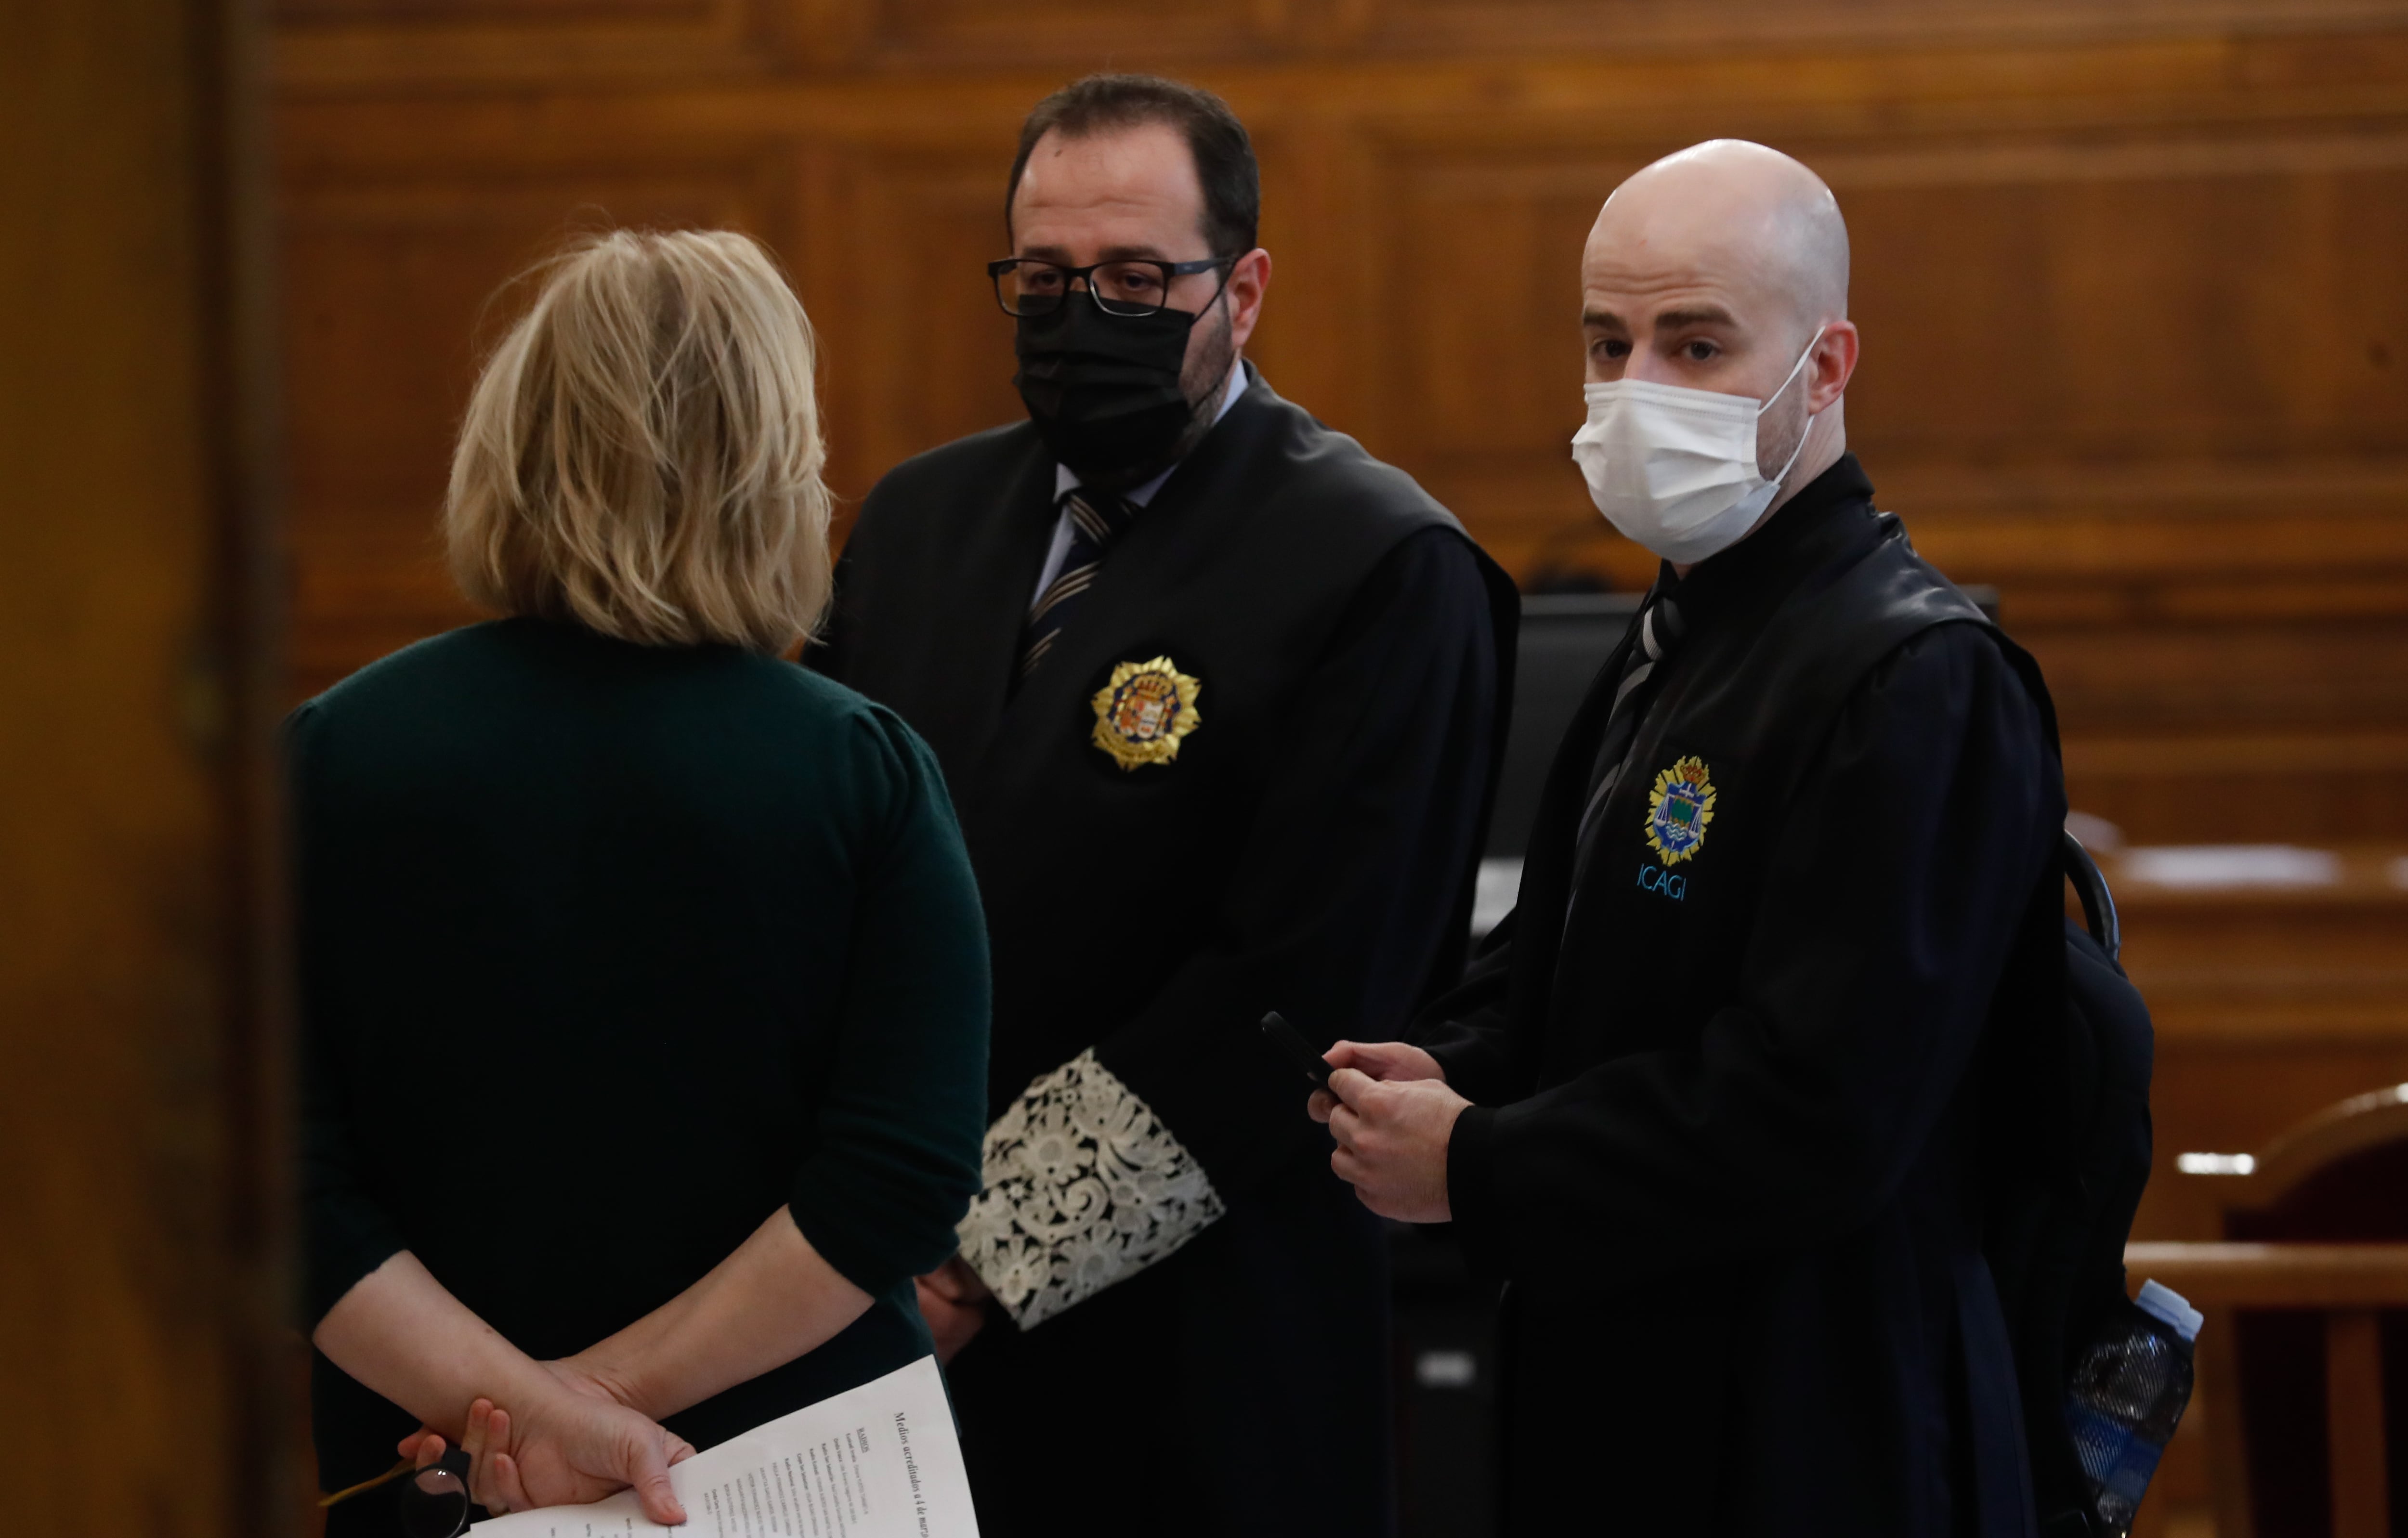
(1067, 480)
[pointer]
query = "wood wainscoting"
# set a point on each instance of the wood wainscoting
(2128, 273)
(2135, 348)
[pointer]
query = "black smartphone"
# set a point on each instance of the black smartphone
(1293, 1047)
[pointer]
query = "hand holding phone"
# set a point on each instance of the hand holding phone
(1292, 1045)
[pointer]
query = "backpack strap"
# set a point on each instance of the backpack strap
(2098, 903)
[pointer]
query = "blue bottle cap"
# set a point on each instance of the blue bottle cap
(2165, 1303)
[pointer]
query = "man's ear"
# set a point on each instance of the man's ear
(1248, 281)
(1834, 365)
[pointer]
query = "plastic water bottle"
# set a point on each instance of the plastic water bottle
(2127, 1396)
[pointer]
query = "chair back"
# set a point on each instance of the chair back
(2317, 1453)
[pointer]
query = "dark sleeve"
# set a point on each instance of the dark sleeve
(830, 651)
(1889, 907)
(896, 1158)
(1351, 872)
(345, 1233)
(1466, 1028)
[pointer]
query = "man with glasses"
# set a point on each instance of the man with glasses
(1220, 698)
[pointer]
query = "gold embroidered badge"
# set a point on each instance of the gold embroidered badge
(1144, 712)
(1679, 806)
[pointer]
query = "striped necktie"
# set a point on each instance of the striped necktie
(1098, 520)
(1659, 632)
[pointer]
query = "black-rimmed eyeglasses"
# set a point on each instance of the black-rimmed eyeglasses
(1023, 286)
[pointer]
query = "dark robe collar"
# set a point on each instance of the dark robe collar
(1237, 431)
(1826, 521)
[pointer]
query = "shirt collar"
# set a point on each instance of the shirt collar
(1066, 480)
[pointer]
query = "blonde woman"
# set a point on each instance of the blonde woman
(644, 977)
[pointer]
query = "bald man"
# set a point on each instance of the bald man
(1707, 1099)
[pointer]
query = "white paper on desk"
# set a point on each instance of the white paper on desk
(877, 1462)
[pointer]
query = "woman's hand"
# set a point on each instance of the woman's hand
(588, 1375)
(402, 1333)
(576, 1374)
(569, 1448)
(953, 1300)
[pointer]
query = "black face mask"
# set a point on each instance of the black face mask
(1104, 390)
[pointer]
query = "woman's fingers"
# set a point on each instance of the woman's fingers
(423, 1447)
(569, 1448)
(508, 1484)
(951, 1328)
(650, 1477)
(957, 1283)
(497, 1441)
(970, 1288)
(487, 1432)
(472, 1442)
(942, 1284)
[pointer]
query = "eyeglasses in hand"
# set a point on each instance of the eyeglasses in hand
(433, 1502)
(428, 1503)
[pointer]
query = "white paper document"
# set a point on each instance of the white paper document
(877, 1462)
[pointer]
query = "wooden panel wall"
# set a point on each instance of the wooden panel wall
(143, 1275)
(2129, 274)
(2136, 346)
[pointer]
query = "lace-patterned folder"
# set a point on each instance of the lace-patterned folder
(1085, 1186)
(877, 1462)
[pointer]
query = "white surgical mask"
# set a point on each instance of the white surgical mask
(1674, 468)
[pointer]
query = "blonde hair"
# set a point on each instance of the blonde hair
(642, 453)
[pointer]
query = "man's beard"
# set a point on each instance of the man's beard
(1204, 379)
(1777, 441)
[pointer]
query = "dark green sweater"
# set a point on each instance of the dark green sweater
(608, 951)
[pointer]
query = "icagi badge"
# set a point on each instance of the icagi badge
(1145, 711)
(1679, 806)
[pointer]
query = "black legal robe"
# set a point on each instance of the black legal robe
(1309, 849)
(1729, 1112)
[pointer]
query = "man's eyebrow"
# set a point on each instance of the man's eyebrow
(1701, 315)
(1060, 256)
(1604, 319)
